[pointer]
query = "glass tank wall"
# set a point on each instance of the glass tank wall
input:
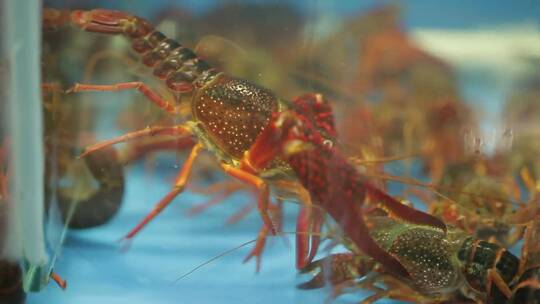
(389, 146)
(24, 261)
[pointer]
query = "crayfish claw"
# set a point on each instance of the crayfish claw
(317, 281)
(336, 269)
(316, 269)
(313, 266)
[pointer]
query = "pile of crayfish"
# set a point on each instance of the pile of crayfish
(267, 142)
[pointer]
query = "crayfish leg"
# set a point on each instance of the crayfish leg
(221, 190)
(178, 130)
(262, 188)
(137, 150)
(58, 280)
(179, 186)
(527, 288)
(240, 214)
(154, 97)
(258, 249)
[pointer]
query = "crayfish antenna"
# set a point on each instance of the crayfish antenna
(125, 243)
(213, 259)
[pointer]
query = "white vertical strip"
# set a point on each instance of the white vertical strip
(23, 40)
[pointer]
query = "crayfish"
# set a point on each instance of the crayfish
(257, 137)
(451, 267)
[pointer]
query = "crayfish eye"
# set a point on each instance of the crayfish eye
(297, 146)
(328, 143)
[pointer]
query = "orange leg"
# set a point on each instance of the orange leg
(212, 202)
(262, 188)
(218, 187)
(58, 280)
(241, 214)
(219, 198)
(136, 85)
(258, 249)
(138, 149)
(179, 186)
(263, 233)
(178, 130)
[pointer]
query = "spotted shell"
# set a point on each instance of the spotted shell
(233, 112)
(427, 254)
